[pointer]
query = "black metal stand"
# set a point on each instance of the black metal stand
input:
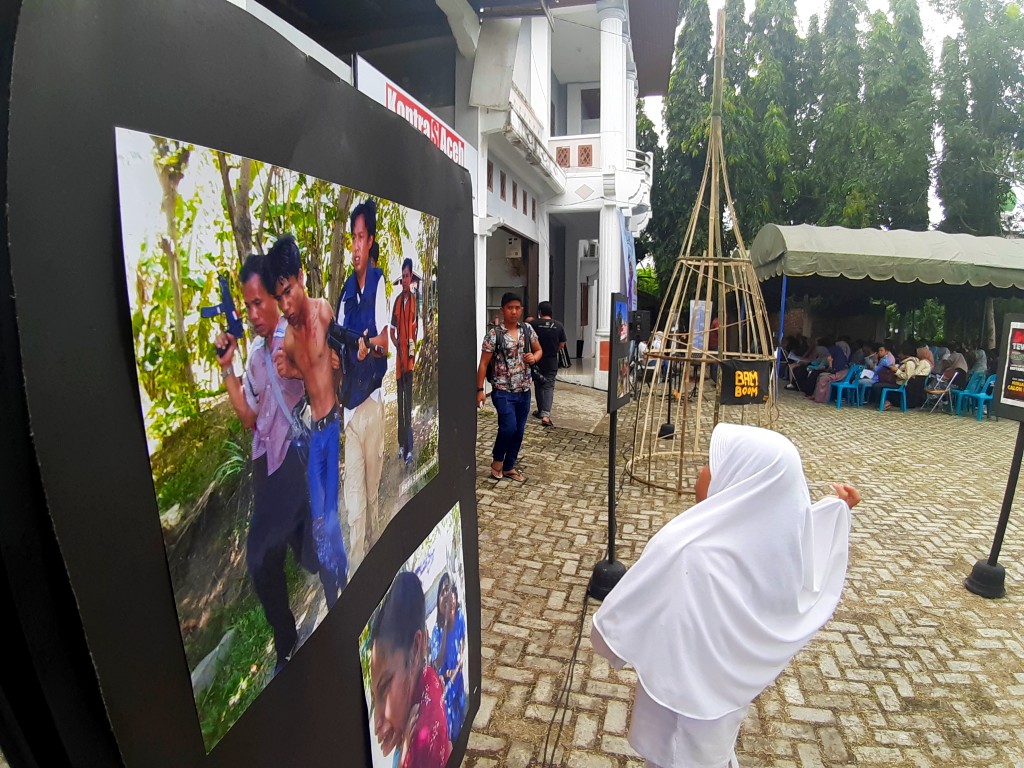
(988, 578)
(668, 428)
(607, 573)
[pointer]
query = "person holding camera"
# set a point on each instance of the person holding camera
(305, 354)
(281, 516)
(362, 310)
(404, 325)
(551, 335)
(514, 348)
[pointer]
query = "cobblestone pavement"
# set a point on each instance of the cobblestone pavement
(912, 670)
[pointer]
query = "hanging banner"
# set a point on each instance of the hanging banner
(745, 382)
(628, 262)
(374, 84)
(1010, 385)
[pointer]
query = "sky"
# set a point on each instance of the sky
(936, 28)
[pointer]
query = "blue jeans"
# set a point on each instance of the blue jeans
(513, 408)
(322, 473)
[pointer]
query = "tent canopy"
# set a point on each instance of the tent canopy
(932, 257)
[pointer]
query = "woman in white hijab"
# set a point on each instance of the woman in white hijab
(724, 596)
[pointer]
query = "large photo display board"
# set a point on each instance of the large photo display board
(231, 251)
(1009, 389)
(245, 418)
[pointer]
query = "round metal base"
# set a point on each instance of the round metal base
(987, 580)
(604, 578)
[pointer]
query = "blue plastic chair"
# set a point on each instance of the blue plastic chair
(978, 400)
(974, 386)
(902, 389)
(849, 384)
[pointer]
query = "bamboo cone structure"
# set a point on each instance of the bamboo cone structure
(676, 414)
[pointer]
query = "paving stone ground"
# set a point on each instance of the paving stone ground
(912, 670)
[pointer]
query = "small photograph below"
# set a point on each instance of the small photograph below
(414, 656)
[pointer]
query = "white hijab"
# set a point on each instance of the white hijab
(725, 594)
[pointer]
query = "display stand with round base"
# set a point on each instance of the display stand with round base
(987, 580)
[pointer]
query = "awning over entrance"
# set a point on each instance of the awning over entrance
(805, 250)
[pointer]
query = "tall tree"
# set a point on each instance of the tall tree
(810, 199)
(839, 143)
(686, 119)
(647, 141)
(171, 158)
(762, 175)
(980, 115)
(898, 112)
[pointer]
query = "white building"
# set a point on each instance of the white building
(538, 102)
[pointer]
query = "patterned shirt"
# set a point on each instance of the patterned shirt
(272, 433)
(511, 372)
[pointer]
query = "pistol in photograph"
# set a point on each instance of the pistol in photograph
(226, 307)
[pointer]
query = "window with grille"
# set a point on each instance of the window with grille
(562, 156)
(502, 185)
(586, 155)
(490, 176)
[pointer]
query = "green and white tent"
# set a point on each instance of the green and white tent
(902, 256)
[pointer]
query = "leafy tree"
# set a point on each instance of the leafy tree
(647, 141)
(760, 151)
(686, 117)
(840, 170)
(898, 113)
(981, 116)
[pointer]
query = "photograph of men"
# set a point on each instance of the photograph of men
(515, 348)
(281, 516)
(362, 309)
(551, 335)
(404, 327)
(305, 355)
(240, 474)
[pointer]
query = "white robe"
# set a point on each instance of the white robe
(723, 597)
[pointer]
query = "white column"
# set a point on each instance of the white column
(612, 18)
(543, 256)
(480, 251)
(610, 265)
(540, 89)
(630, 110)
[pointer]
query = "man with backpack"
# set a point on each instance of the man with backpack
(508, 353)
(552, 339)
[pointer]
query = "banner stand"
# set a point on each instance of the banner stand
(607, 573)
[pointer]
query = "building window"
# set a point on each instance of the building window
(502, 185)
(586, 155)
(562, 156)
(533, 205)
(515, 195)
(490, 176)
(524, 202)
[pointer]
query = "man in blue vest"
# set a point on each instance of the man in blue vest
(363, 309)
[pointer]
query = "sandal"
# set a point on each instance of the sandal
(546, 422)
(515, 474)
(496, 473)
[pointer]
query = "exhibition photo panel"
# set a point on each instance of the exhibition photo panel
(414, 654)
(285, 338)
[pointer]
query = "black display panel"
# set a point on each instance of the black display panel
(209, 74)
